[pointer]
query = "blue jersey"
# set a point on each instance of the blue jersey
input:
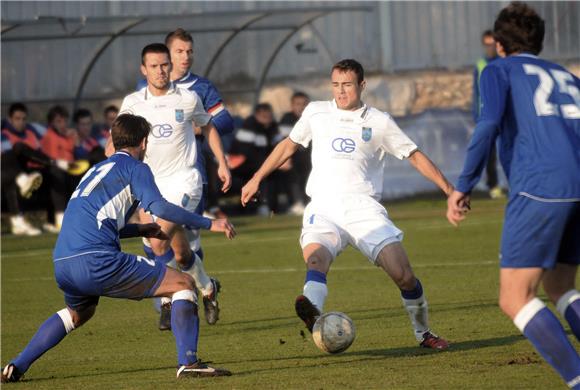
(102, 203)
(534, 107)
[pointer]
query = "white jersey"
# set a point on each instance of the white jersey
(349, 148)
(171, 144)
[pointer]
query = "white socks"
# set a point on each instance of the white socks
(418, 314)
(202, 280)
(316, 292)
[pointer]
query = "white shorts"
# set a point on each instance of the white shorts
(358, 220)
(183, 188)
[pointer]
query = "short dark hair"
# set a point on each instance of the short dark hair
(111, 108)
(263, 107)
(486, 33)
(129, 131)
(56, 111)
(17, 107)
(350, 65)
(300, 94)
(519, 28)
(81, 113)
(154, 48)
(180, 34)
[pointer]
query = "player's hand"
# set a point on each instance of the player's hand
(225, 176)
(152, 230)
(250, 191)
(458, 204)
(223, 225)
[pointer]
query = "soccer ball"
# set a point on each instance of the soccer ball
(333, 332)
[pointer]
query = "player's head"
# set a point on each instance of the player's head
(83, 120)
(17, 114)
(264, 114)
(180, 44)
(488, 43)
(57, 118)
(130, 132)
(156, 65)
(348, 82)
(518, 29)
(299, 102)
(109, 114)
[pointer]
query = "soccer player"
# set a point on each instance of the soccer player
(533, 106)
(180, 45)
(173, 113)
(349, 144)
(88, 262)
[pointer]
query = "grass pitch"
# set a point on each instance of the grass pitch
(259, 337)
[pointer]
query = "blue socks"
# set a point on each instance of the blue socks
(315, 288)
(185, 326)
(545, 332)
(416, 293)
(166, 257)
(148, 252)
(569, 307)
(50, 333)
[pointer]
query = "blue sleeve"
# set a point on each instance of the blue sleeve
(494, 91)
(475, 102)
(223, 121)
(143, 186)
(176, 214)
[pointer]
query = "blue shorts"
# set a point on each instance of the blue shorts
(539, 234)
(85, 278)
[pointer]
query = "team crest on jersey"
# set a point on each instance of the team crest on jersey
(179, 116)
(367, 133)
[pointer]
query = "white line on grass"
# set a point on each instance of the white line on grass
(297, 269)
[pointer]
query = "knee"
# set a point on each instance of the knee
(79, 318)
(160, 247)
(183, 258)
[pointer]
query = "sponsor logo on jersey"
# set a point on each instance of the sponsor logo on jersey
(367, 134)
(179, 116)
(343, 145)
(162, 130)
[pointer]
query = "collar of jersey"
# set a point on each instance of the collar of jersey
(185, 78)
(172, 89)
(123, 152)
(359, 112)
(530, 55)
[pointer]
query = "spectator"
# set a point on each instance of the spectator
(101, 132)
(87, 146)
(252, 143)
(20, 145)
(301, 161)
(490, 55)
(59, 144)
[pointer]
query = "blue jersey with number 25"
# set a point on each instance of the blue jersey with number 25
(534, 107)
(102, 203)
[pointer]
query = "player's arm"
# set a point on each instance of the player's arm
(149, 230)
(144, 188)
(494, 91)
(215, 143)
(281, 153)
(427, 168)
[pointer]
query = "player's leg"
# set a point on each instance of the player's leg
(180, 287)
(517, 299)
(533, 239)
(50, 333)
(560, 285)
(393, 259)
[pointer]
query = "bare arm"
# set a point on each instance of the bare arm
(215, 144)
(428, 169)
(281, 153)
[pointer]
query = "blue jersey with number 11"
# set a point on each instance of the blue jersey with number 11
(534, 107)
(103, 201)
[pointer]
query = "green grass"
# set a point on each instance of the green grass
(258, 336)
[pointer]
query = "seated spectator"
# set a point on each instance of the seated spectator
(59, 144)
(101, 132)
(20, 155)
(87, 146)
(301, 161)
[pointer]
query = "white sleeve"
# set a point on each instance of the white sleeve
(301, 132)
(396, 142)
(126, 107)
(200, 116)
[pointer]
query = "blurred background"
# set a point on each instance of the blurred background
(419, 57)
